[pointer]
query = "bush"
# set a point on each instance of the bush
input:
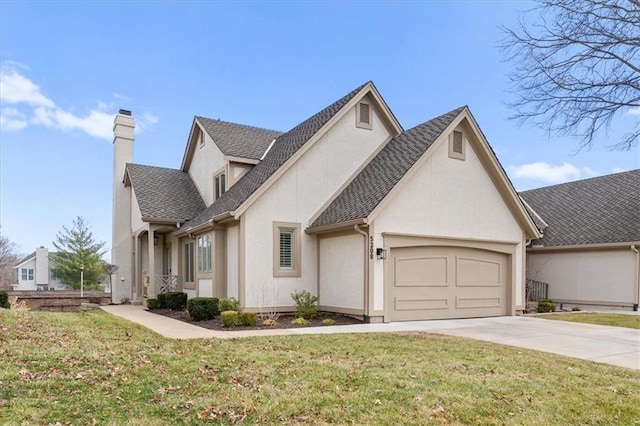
(174, 300)
(153, 304)
(230, 304)
(4, 300)
(248, 319)
(270, 322)
(576, 309)
(546, 305)
(306, 304)
(229, 318)
(203, 308)
(300, 321)
(328, 321)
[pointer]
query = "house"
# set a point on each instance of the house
(35, 272)
(589, 253)
(380, 222)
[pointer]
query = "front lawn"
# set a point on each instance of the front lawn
(94, 368)
(617, 320)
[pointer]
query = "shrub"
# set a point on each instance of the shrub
(153, 304)
(328, 321)
(546, 305)
(270, 322)
(230, 304)
(576, 309)
(4, 300)
(248, 319)
(229, 318)
(306, 304)
(299, 321)
(203, 308)
(174, 300)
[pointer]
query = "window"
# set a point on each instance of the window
(188, 263)
(286, 249)
(204, 253)
(220, 184)
(456, 145)
(201, 139)
(27, 274)
(363, 116)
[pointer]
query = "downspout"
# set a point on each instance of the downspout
(366, 268)
(637, 301)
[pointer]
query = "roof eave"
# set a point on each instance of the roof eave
(336, 226)
(585, 246)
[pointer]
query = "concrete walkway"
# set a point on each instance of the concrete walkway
(611, 345)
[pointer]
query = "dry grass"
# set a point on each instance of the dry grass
(93, 368)
(617, 320)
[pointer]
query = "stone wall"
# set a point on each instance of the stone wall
(60, 301)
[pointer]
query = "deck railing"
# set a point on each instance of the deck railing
(536, 290)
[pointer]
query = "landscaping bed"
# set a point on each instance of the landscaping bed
(284, 321)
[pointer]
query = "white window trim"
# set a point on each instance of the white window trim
(296, 269)
(360, 124)
(29, 272)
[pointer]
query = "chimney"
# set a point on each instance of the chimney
(121, 247)
(42, 266)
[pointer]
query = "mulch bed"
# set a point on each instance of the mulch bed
(284, 321)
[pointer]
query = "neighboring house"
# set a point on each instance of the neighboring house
(377, 221)
(35, 272)
(589, 254)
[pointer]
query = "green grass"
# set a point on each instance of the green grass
(93, 367)
(617, 320)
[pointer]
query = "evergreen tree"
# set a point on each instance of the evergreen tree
(77, 249)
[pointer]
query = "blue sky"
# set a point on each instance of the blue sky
(67, 67)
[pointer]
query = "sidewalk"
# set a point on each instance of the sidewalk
(610, 345)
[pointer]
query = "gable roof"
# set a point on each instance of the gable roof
(603, 209)
(285, 146)
(385, 170)
(238, 140)
(25, 259)
(164, 193)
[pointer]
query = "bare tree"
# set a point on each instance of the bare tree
(577, 67)
(8, 260)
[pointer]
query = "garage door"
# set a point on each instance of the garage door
(447, 282)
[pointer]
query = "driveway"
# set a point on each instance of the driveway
(610, 345)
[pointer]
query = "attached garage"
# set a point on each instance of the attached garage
(447, 282)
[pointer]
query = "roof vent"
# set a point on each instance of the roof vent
(125, 112)
(456, 145)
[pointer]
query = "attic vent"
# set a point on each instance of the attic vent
(456, 145)
(363, 115)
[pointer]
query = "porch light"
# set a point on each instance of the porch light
(381, 254)
(156, 240)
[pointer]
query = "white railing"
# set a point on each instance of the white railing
(165, 283)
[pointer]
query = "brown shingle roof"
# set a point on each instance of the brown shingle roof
(603, 209)
(164, 193)
(238, 140)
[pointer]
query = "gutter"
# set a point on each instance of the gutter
(336, 226)
(637, 301)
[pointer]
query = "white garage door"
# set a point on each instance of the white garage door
(447, 282)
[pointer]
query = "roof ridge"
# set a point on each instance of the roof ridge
(156, 167)
(579, 181)
(237, 124)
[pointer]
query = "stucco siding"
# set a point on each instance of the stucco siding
(206, 161)
(232, 260)
(297, 195)
(605, 276)
(449, 198)
(342, 271)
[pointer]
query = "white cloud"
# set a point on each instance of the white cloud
(16, 89)
(618, 170)
(548, 173)
(634, 111)
(12, 119)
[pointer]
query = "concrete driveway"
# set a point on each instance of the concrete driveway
(611, 345)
